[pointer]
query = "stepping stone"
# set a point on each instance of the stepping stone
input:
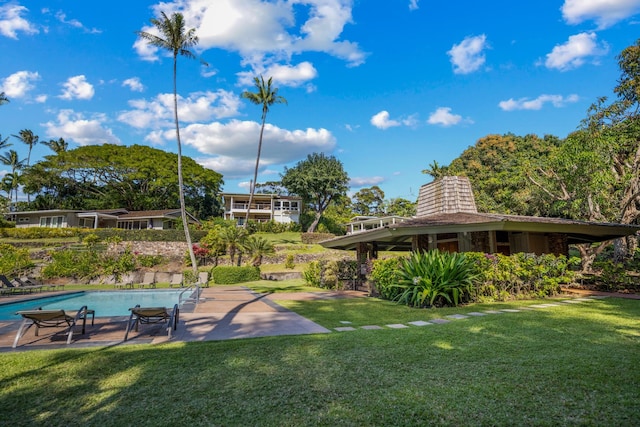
(476, 313)
(510, 310)
(345, 328)
(457, 316)
(525, 308)
(540, 306)
(397, 326)
(572, 301)
(419, 323)
(440, 321)
(345, 322)
(371, 327)
(582, 299)
(493, 312)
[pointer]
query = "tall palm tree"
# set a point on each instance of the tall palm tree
(11, 158)
(57, 145)
(265, 96)
(175, 38)
(27, 136)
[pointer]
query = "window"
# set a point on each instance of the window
(52, 221)
(85, 222)
(133, 225)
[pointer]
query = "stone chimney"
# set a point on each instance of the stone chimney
(449, 194)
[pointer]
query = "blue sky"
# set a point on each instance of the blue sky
(386, 86)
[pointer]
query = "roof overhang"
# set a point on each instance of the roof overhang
(399, 236)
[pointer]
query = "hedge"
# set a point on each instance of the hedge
(227, 275)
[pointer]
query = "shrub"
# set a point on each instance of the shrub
(71, 263)
(289, 262)
(226, 275)
(149, 261)
(385, 274)
(435, 278)
(312, 274)
(13, 260)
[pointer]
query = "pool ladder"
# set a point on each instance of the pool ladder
(195, 290)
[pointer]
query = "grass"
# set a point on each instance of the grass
(270, 286)
(570, 365)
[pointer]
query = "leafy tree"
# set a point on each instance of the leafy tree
(174, 38)
(400, 207)
(499, 166)
(265, 96)
(3, 98)
(270, 187)
(368, 201)
(56, 145)
(318, 179)
(112, 176)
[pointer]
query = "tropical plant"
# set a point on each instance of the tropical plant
(3, 98)
(56, 145)
(4, 142)
(265, 96)
(13, 260)
(257, 247)
(27, 136)
(435, 278)
(233, 238)
(174, 38)
(12, 159)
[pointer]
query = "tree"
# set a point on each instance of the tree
(3, 98)
(266, 97)
(233, 238)
(174, 38)
(27, 136)
(111, 176)
(4, 143)
(56, 145)
(400, 207)
(11, 158)
(318, 179)
(368, 201)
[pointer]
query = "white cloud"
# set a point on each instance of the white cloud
(265, 33)
(537, 103)
(413, 4)
(285, 75)
(365, 181)
(75, 127)
(199, 106)
(382, 121)
(443, 117)
(575, 52)
(233, 145)
(604, 12)
(62, 17)
(17, 85)
(468, 55)
(12, 22)
(134, 84)
(77, 87)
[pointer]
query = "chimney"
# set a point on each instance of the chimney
(449, 194)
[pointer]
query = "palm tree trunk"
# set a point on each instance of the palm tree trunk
(183, 208)
(255, 172)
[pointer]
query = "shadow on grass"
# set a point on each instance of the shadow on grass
(573, 364)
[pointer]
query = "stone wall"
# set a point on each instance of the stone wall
(170, 250)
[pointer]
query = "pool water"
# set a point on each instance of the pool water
(105, 303)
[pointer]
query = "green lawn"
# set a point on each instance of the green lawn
(576, 364)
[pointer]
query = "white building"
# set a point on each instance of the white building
(264, 208)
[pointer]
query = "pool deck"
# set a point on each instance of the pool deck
(224, 312)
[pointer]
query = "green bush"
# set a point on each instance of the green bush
(312, 274)
(72, 263)
(226, 275)
(41, 232)
(435, 278)
(13, 260)
(289, 262)
(385, 274)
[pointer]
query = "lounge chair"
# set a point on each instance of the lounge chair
(153, 315)
(149, 279)
(127, 282)
(32, 281)
(27, 282)
(16, 286)
(176, 280)
(203, 279)
(52, 319)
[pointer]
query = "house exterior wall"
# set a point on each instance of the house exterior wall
(264, 208)
(34, 220)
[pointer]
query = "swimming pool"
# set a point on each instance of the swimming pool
(105, 303)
